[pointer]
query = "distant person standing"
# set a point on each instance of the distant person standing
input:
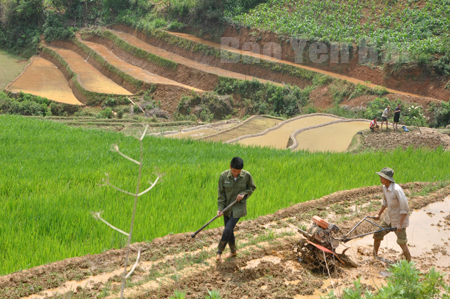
(384, 117)
(234, 184)
(396, 117)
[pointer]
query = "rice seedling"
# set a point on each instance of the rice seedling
(50, 178)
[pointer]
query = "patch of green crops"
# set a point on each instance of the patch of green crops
(50, 176)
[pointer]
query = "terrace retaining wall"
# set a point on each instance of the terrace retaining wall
(264, 69)
(181, 73)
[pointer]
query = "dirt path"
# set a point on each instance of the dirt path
(181, 60)
(268, 58)
(42, 78)
(90, 77)
(266, 266)
(132, 70)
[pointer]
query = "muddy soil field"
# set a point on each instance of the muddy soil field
(266, 265)
(390, 140)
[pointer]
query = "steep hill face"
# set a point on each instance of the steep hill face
(401, 45)
(409, 77)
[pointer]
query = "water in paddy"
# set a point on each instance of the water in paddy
(279, 137)
(428, 234)
(333, 138)
(253, 126)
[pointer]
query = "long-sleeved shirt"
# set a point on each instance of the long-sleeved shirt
(229, 188)
(397, 204)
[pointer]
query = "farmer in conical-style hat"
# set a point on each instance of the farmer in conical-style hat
(395, 201)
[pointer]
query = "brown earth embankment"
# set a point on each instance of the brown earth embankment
(410, 78)
(183, 74)
(81, 93)
(102, 68)
(209, 55)
(168, 94)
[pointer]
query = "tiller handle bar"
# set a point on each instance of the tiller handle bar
(215, 217)
(345, 240)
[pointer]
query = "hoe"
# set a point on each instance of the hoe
(321, 238)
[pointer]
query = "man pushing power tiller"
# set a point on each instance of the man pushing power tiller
(394, 199)
(234, 184)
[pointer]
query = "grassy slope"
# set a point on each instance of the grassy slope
(10, 68)
(50, 176)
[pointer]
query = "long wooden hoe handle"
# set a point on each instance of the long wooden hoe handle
(215, 217)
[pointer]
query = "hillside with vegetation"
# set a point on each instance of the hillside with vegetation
(410, 39)
(130, 64)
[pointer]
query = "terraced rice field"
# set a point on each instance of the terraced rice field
(331, 138)
(193, 134)
(186, 72)
(252, 126)
(276, 60)
(129, 38)
(89, 76)
(279, 137)
(132, 70)
(42, 78)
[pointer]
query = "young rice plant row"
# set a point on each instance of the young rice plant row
(50, 177)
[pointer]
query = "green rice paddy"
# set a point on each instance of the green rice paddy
(51, 175)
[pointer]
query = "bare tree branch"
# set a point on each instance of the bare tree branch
(97, 216)
(116, 148)
(136, 195)
(136, 105)
(118, 189)
(107, 183)
(145, 132)
(150, 188)
(135, 264)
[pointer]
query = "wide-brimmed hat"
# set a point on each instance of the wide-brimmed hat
(387, 173)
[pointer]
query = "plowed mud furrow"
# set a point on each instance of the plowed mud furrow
(272, 59)
(42, 78)
(90, 77)
(266, 266)
(132, 70)
(184, 61)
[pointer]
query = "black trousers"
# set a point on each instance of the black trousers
(228, 234)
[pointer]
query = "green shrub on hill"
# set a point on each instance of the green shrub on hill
(411, 114)
(260, 98)
(106, 113)
(20, 25)
(440, 114)
(27, 104)
(54, 28)
(206, 107)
